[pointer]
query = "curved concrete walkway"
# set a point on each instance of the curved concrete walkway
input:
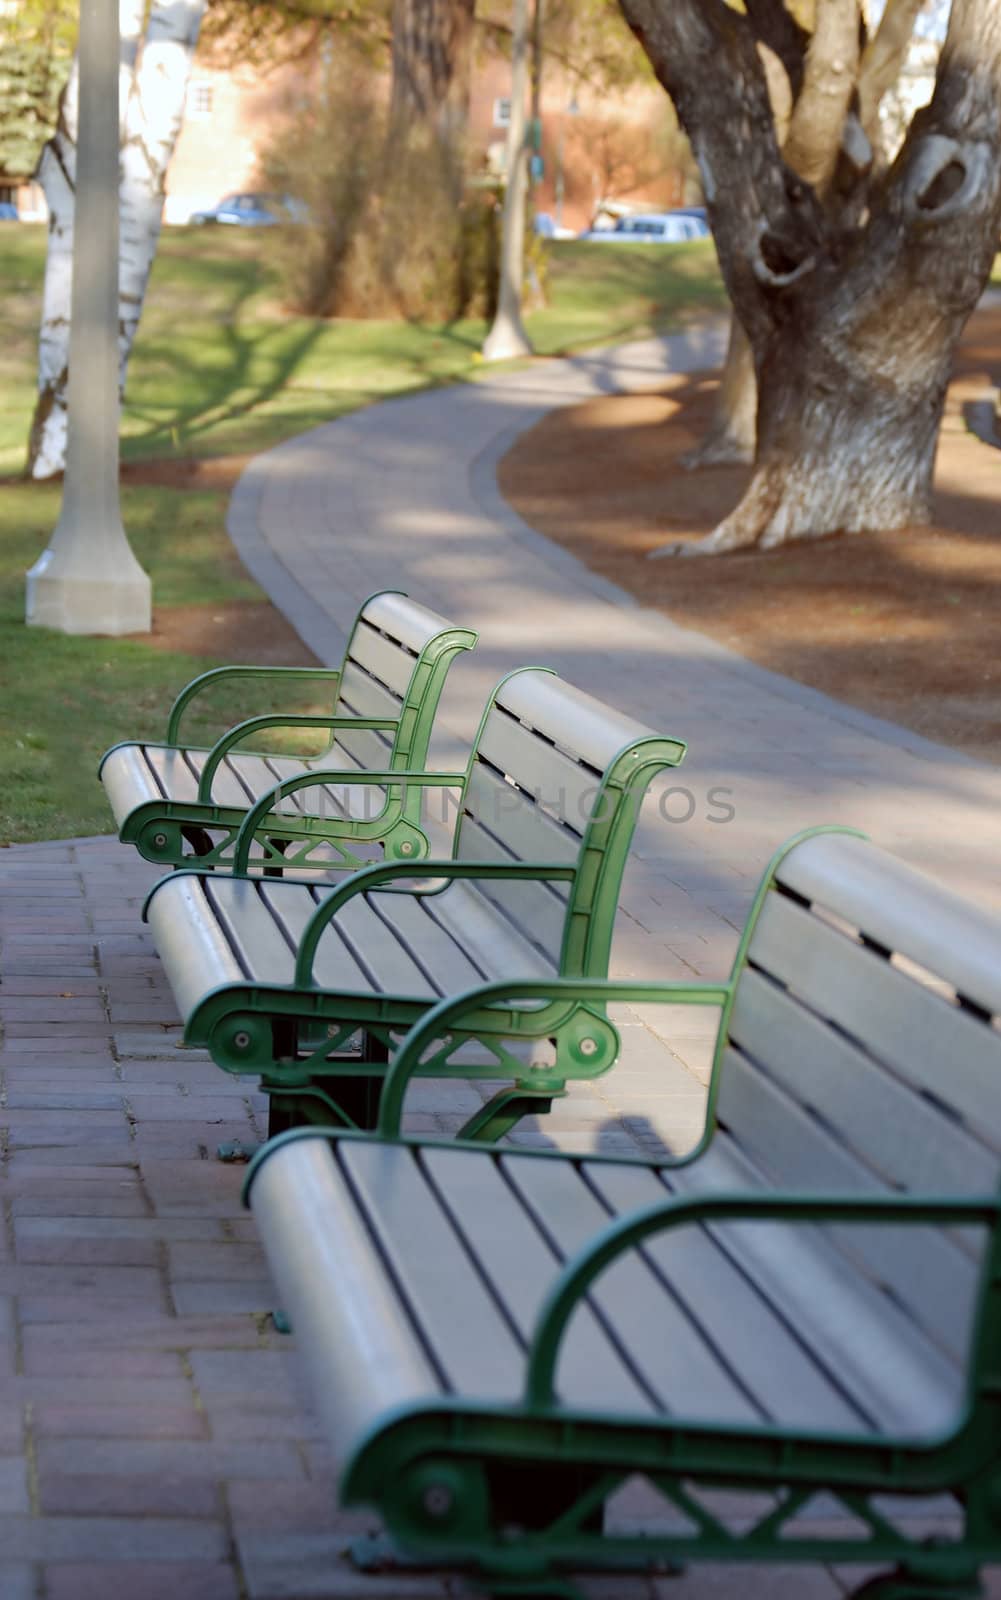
(404, 495)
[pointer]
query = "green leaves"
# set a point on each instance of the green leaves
(37, 40)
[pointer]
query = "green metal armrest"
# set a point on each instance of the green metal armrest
(243, 730)
(371, 829)
(206, 679)
(506, 1000)
(625, 1233)
(384, 872)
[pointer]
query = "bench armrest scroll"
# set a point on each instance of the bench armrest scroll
(626, 1232)
(318, 777)
(507, 999)
(205, 680)
(385, 872)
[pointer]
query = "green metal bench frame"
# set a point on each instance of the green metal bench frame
(290, 1034)
(160, 829)
(514, 1493)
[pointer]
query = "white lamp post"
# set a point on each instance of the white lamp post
(507, 337)
(88, 580)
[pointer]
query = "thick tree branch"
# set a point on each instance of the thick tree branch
(765, 221)
(818, 117)
(945, 186)
(883, 58)
(777, 29)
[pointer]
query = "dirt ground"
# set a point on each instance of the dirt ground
(905, 625)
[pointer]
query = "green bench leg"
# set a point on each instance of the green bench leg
(330, 1102)
(197, 838)
(504, 1110)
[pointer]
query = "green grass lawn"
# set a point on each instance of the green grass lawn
(219, 369)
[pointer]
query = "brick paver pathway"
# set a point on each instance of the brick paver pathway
(153, 1442)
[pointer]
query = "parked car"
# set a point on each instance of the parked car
(545, 225)
(252, 211)
(8, 211)
(652, 227)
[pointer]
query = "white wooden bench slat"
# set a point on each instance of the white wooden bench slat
(889, 901)
(581, 724)
(233, 783)
(896, 1131)
(404, 619)
(172, 772)
(290, 906)
(487, 939)
(129, 780)
(513, 818)
(757, 1345)
(195, 965)
(517, 1259)
(422, 933)
(534, 910)
(558, 782)
(342, 1302)
(383, 658)
(364, 696)
(382, 953)
(898, 1019)
(868, 1344)
(661, 1340)
(471, 1342)
(924, 1266)
(255, 936)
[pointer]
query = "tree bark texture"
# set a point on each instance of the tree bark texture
(153, 74)
(431, 59)
(732, 433)
(853, 288)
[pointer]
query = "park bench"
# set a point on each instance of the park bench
(804, 1314)
(280, 977)
(174, 801)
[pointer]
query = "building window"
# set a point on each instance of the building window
(200, 100)
(502, 113)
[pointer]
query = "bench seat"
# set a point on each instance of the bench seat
(807, 1306)
(216, 931)
(279, 977)
(177, 801)
(731, 1325)
(137, 775)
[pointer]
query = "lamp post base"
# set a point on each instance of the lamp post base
(101, 603)
(506, 340)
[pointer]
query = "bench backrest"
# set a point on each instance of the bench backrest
(862, 1054)
(556, 776)
(397, 656)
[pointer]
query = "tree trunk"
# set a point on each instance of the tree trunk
(854, 293)
(848, 417)
(731, 434)
(152, 122)
(431, 59)
(151, 101)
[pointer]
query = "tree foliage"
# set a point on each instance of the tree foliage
(37, 38)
